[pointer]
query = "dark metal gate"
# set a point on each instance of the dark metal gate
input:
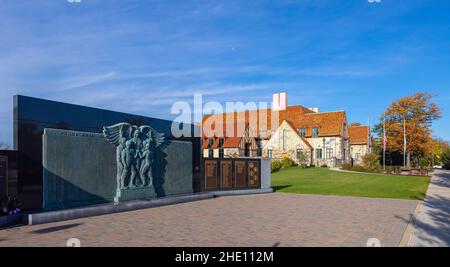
(232, 173)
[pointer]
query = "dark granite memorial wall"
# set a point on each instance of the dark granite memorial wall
(8, 173)
(3, 176)
(32, 116)
(80, 169)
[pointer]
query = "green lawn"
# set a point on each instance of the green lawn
(322, 181)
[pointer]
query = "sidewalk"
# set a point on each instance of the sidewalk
(431, 227)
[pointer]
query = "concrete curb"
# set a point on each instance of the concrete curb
(410, 227)
(111, 208)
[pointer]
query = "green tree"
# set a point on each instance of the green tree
(419, 112)
(438, 147)
(372, 161)
(446, 159)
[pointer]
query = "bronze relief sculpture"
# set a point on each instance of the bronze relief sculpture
(135, 147)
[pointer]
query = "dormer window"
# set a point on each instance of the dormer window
(210, 147)
(221, 154)
(315, 132)
(302, 132)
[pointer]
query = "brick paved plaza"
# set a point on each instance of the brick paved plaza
(276, 219)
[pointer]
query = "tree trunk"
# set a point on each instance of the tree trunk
(408, 159)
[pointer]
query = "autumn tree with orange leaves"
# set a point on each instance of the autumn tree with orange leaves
(418, 112)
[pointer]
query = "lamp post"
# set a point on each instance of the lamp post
(324, 152)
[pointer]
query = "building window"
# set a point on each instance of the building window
(302, 132)
(358, 156)
(319, 153)
(329, 153)
(315, 132)
(270, 153)
(285, 139)
(299, 153)
(210, 148)
(221, 155)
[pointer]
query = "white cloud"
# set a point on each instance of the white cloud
(83, 81)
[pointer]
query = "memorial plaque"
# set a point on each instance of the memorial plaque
(226, 174)
(3, 176)
(210, 174)
(241, 180)
(253, 173)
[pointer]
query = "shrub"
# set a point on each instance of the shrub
(446, 159)
(276, 165)
(347, 167)
(324, 166)
(288, 162)
(360, 169)
(424, 163)
(389, 169)
(372, 162)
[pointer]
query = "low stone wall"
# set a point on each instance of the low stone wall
(80, 169)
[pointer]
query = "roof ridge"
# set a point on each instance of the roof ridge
(337, 111)
(262, 109)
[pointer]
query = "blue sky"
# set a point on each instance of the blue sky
(141, 56)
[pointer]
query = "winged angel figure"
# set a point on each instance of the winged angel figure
(135, 148)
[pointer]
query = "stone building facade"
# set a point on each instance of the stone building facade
(360, 142)
(324, 136)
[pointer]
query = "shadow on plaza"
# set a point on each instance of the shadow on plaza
(439, 212)
(280, 187)
(56, 228)
(444, 182)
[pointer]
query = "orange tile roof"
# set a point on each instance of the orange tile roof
(236, 129)
(228, 142)
(329, 123)
(290, 112)
(358, 134)
(232, 136)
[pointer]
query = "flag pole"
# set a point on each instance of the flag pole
(369, 148)
(384, 141)
(404, 141)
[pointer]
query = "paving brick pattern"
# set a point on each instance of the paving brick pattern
(276, 219)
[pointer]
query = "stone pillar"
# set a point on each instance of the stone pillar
(266, 179)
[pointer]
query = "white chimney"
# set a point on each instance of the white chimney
(280, 101)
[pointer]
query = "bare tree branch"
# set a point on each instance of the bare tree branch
(4, 146)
